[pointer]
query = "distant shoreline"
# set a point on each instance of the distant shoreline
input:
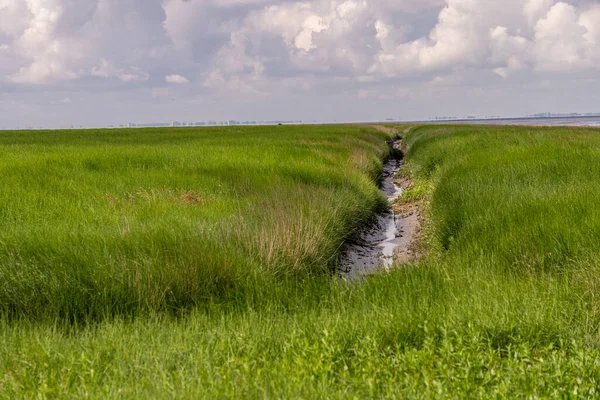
(533, 121)
(589, 121)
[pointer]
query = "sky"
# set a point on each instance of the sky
(105, 62)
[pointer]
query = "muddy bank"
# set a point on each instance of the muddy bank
(390, 238)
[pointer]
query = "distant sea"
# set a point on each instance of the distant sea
(559, 121)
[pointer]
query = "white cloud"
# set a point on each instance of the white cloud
(562, 41)
(64, 40)
(260, 47)
(536, 9)
(177, 79)
(14, 17)
(508, 53)
(260, 40)
(131, 74)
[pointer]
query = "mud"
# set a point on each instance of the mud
(389, 240)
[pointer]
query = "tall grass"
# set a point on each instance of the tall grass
(96, 223)
(504, 305)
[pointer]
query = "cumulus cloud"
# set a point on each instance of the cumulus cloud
(257, 47)
(562, 39)
(65, 40)
(177, 79)
(536, 9)
(107, 70)
(357, 39)
(255, 40)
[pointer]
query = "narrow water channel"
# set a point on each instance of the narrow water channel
(377, 245)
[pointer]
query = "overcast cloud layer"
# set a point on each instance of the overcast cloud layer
(101, 62)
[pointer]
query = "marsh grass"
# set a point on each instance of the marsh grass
(504, 305)
(97, 223)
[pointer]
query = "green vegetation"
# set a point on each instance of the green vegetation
(505, 304)
(98, 223)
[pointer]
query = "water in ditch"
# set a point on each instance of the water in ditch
(375, 249)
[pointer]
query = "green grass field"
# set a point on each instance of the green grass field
(98, 223)
(193, 264)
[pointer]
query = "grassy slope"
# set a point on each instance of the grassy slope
(103, 222)
(505, 305)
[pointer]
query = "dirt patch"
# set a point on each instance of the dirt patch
(411, 213)
(408, 248)
(191, 198)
